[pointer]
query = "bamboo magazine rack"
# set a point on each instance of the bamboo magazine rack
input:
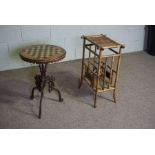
(100, 63)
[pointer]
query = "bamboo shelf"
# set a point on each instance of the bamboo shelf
(100, 63)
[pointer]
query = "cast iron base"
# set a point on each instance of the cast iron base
(40, 82)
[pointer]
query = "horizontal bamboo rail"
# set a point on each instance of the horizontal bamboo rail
(91, 51)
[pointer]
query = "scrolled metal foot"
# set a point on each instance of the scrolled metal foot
(60, 98)
(32, 93)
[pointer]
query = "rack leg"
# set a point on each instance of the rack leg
(80, 83)
(82, 67)
(114, 95)
(82, 75)
(95, 99)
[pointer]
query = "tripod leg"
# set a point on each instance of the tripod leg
(40, 105)
(32, 93)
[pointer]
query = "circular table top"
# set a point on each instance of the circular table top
(42, 54)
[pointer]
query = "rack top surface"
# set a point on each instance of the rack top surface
(103, 41)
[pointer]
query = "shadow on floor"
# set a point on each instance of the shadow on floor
(17, 93)
(69, 82)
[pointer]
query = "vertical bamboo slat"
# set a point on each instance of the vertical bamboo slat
(98, 74)
(118, 65)
(83, 60)
(89, 56)
(94, 66)
(111, 72)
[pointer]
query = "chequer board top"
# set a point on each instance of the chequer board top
(42, 53)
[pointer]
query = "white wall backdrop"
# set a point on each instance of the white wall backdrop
(13, 38)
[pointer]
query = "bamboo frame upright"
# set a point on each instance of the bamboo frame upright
(100, 70)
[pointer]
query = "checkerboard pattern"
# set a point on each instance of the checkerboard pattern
(42, 53)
